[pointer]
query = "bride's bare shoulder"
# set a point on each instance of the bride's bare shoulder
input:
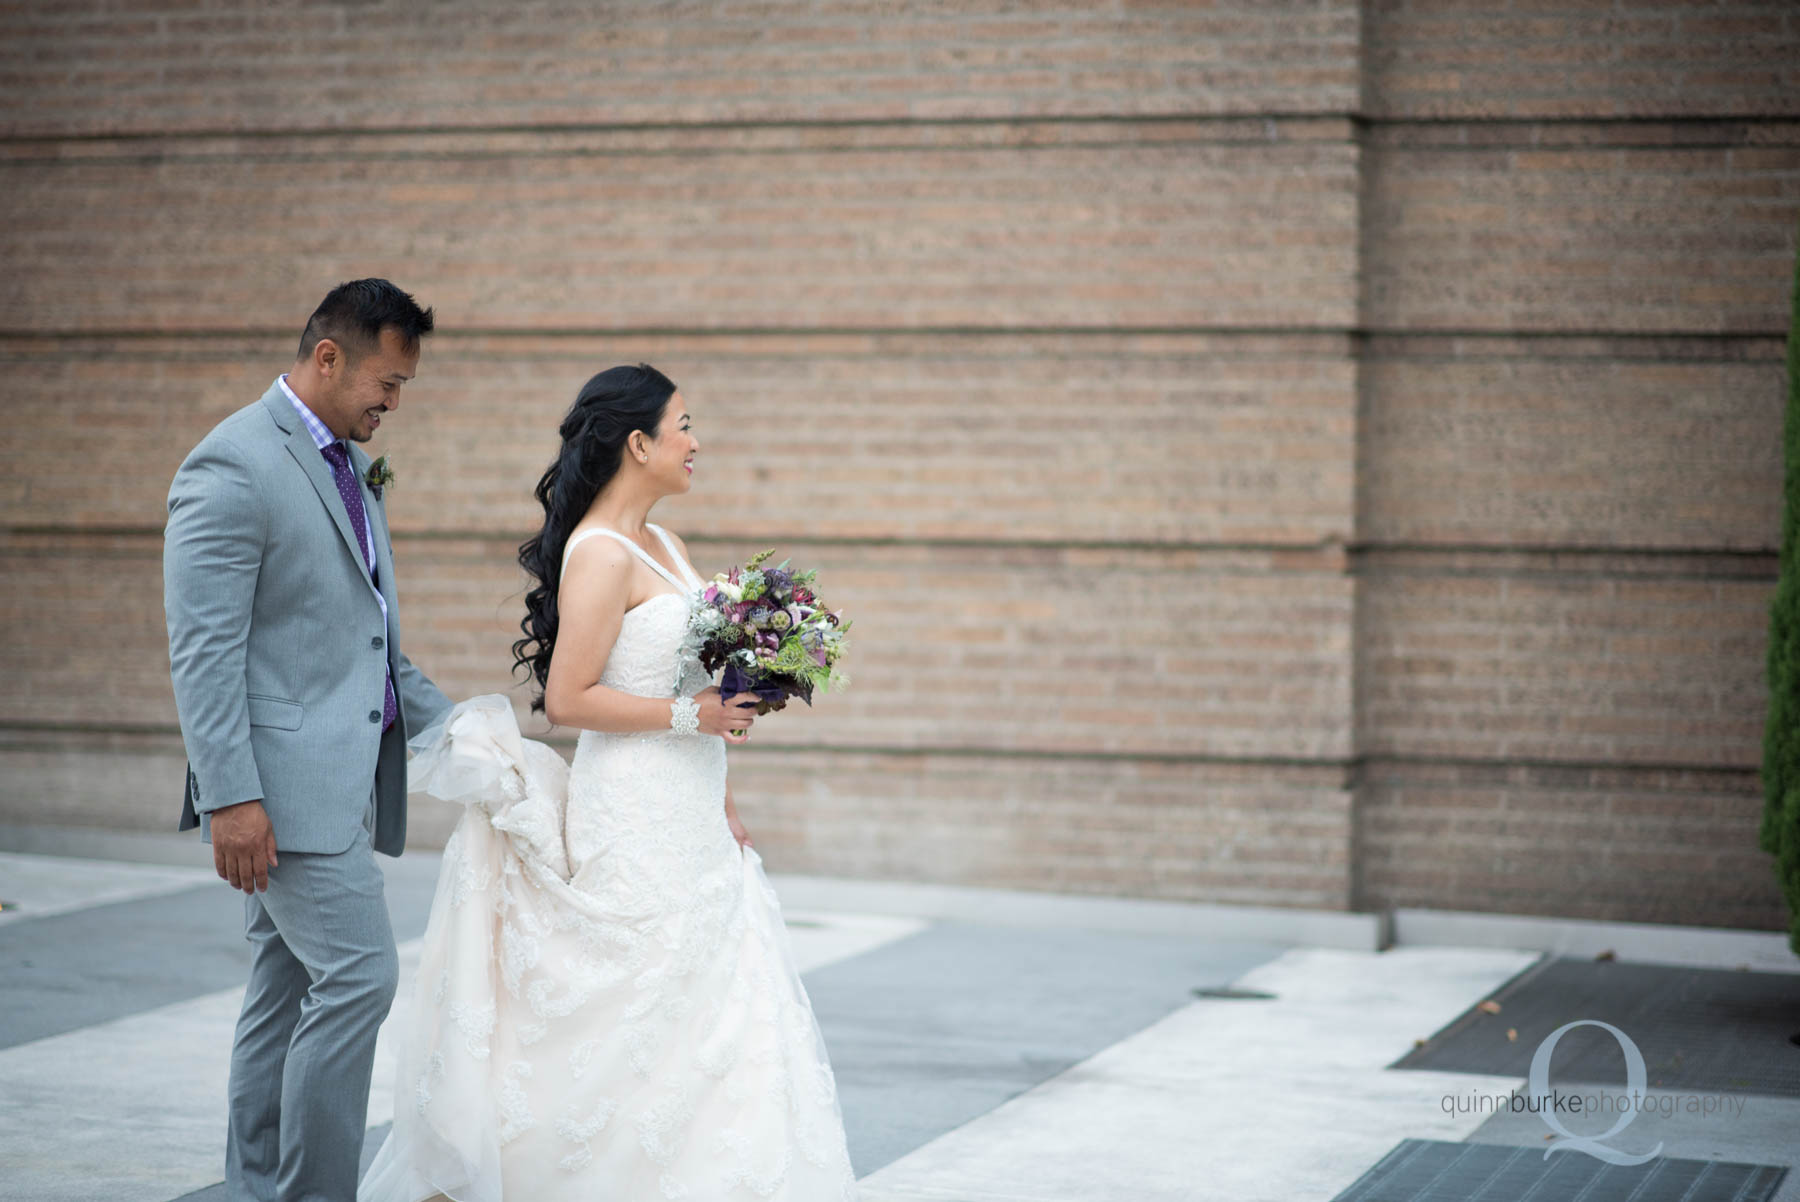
(599, 559)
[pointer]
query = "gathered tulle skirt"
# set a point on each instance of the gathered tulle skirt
(606, 1005)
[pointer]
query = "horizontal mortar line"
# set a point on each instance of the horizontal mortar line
(492, 153)
(1766, 576)
(1023, 753)
(709, 126)
(1358, 118)
(1773, 358)
(772, 331)
(171, 730)
(1356, 762)
(513, 537)
(1363, 551)
(1329, 544)
(1635, 119)
(1556, 548)
(1772, 336)
(1565, 334)
(477, 154)
(1572, 147)
(1407, 760)
(997, 544)
(480, 154)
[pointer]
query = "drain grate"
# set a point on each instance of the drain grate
(1426, 1170)
(1705, 1030)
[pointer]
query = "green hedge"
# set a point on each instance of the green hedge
(1780, 833)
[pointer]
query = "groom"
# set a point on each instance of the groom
(296, 704)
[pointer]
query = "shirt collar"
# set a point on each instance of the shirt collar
(321, 433)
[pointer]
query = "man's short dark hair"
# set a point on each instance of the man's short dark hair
(354, 314)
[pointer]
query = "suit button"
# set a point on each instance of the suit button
(374, 715)
(375, 642)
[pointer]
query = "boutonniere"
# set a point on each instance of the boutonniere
(379, 476)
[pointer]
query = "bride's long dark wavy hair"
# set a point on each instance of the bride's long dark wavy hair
(608, 408)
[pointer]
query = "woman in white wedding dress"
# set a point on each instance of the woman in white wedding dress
(606, 1005)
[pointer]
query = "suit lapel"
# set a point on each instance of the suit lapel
(378, 531)
(318, 472)
(306, 454)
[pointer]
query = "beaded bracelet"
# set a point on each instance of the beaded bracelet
(684, 716)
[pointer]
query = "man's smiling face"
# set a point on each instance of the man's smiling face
(362, 389)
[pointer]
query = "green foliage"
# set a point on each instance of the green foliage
(1780, 832)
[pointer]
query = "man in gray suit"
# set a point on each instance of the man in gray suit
(296, 704)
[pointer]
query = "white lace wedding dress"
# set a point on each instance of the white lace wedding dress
(606, 1005)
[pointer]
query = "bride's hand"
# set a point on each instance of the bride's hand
(737, 828)
(731, 819)
(720, 717)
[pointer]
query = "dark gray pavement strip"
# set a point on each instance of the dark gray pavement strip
(1421, 1170)
(931, 1031)
(66, 971)
(1698, 1029)
(1745, 1128)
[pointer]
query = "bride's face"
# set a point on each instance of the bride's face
(670, 461)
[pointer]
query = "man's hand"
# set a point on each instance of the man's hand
(243, 845)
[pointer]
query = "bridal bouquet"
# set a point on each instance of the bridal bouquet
(769, 631)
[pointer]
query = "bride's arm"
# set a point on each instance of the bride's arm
(590, 607)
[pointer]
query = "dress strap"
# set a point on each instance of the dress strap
(633, 547)
(680, 561)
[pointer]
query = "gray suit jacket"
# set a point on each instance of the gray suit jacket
(277, 646)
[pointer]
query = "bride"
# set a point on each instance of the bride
(606, 1004)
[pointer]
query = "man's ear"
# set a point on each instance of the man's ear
(327, 356)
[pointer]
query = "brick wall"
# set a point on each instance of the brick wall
(154, 66)
(1579, 229)
(1303, 454)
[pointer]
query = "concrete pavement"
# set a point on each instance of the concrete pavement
(989, 1046)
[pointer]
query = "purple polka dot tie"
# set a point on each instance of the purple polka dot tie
(338, 456)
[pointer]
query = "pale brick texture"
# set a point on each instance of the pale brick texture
(1581, 58)
(1130, 234)
(1038, 438)
(1664, 446)
(1694, 239)
(1307, 454)
(162, 65)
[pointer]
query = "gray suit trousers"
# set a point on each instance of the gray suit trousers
(322, 980)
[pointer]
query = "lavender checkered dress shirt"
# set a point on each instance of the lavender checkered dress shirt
(322, 438)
